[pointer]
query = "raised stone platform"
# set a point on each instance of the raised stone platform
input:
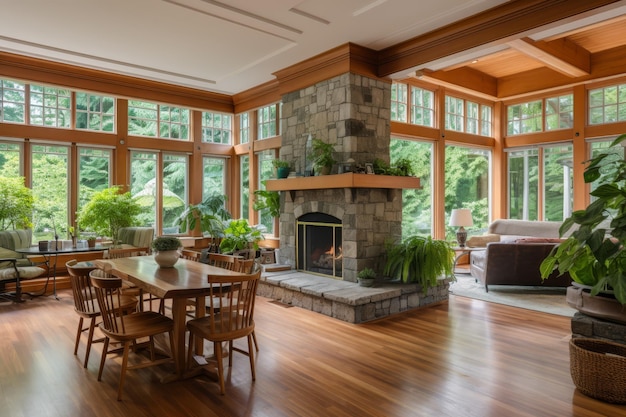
(345, 300)
(594, 328)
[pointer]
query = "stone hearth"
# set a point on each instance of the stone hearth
(345, 300)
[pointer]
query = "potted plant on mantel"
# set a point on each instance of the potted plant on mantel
(166, 252)
(282, 168)
(322, 157)
(594, 254)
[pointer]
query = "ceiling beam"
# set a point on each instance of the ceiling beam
(467, 80)
(561, 55)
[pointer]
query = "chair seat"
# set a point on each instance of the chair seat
(202, 327)
(142, 324)
(127, 303)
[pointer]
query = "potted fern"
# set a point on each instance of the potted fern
(366, 277)
(420, 260)
(323, 160)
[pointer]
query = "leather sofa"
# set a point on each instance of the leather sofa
(513, 252)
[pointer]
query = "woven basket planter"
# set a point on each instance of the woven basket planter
(599, 369)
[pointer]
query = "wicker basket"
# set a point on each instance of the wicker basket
(599, 369)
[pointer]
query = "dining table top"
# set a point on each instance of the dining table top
(186, 278)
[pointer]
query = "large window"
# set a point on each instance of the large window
(213, 176)
(155, 120)
(244, 128)
(540, 185)
(11, 159)
(174, 199)
(266, 170)
(50, 170)
(143, 169)
(416, 204)
(94, 172)
(95, 112)
(467, 181)
(217, 128)
(607, 104)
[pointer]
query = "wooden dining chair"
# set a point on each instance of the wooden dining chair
(190, 255)
(126, 329)
(86, 304)
(222, 260)
(231, 308)
(247, 266)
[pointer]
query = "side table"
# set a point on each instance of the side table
(460, 252)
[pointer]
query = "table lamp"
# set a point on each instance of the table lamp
(461, 218)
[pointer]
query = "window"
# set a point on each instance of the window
(94, 112)
(266, 171)
(529, 117)
(454, 114)
(540, 183)
(245, 187)
(143, 169)
(155, 120)
(51, 107)
(10, 159)
(12, 101)
(94, 172)
(560, 112)
(174, 198)
(217, 128)
(244, 128)
(422, 107)
(50, 171)
(467, 184)
(214, 176)
(416, 204)
(523, 184)
(399, 101)
(607, 104)
(267, 122)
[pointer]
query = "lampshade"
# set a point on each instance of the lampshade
(461, 217)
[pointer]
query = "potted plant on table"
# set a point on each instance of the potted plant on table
(166, 250)
(594, 253)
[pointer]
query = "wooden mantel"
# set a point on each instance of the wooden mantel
(347, 180)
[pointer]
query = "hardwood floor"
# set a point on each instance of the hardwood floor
(463, 358)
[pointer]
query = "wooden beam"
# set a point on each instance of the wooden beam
(465, 79)
(561, 55)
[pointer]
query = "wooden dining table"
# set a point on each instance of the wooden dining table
(187, 279)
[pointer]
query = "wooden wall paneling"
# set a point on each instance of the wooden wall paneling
(499, 167)
(121, 156)
(580, 148)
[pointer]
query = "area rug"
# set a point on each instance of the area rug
(546, 299)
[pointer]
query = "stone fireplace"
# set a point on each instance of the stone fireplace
(352, 112)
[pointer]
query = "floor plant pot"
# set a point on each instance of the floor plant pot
(603, 306)
(598, 369)
(167, 258)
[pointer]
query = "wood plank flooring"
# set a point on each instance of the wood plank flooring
(462, 358)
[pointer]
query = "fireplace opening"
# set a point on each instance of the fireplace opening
(319, 244)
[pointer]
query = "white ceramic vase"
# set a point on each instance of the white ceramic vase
(167, 258)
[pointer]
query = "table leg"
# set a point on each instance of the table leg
(179, 314)
(200, 312)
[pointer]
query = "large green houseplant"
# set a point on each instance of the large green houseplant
(16, 204)
(594, 252)
(108, 211)
(209, 215)
(239, 236)
(419, 259)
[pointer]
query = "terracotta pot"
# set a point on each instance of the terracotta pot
(167, 258)
(603, 306)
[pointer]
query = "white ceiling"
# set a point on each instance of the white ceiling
(226, 47)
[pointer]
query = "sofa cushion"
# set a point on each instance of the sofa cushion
(539, 240)
(525, 228)
(26, 272)
(136, 236)
(481, 241)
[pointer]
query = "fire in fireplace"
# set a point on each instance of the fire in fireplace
(319, 243)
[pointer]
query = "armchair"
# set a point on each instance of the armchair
(14, 266)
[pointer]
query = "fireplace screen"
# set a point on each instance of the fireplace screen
(319, 244)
